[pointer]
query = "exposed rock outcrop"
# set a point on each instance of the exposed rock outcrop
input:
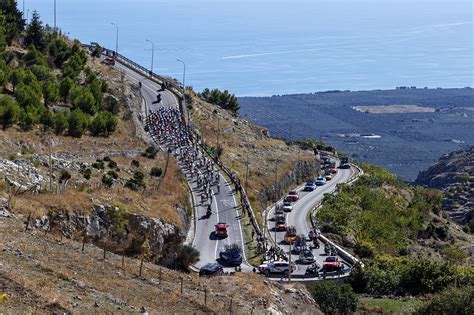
(454, 175)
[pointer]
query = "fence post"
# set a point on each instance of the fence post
(123, 259)
(160, 276)
(181, 285)
(230, 307)
(205, 296)
(104, 253)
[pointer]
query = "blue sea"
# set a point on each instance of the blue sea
(263, 47)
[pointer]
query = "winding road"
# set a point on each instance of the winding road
(224, 205)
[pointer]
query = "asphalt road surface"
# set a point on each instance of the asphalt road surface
(298, 218)
(224, 205)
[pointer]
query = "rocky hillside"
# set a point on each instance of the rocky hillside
(42, 273)
(454, 175)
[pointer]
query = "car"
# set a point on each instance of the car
(307, 257)
(328, 177)
(310, 186)
(279, 209)
(287, 207)
(293, 196)
(332, 263)
(320, 181)
(345, 166)
(276, 267)
(280, 222)
(231, 255)
(333, 170)
(221, 229)
(290, 235)
(211, 269)
(109, 61)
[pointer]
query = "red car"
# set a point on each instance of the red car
(221, 229)
(332, 263)
(333, 170)
(292, 196)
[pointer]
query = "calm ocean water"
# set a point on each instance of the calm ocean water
(264, 47)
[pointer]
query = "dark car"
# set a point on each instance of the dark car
(280, 222)
(211, 269)
(231, 255)
(109, 61)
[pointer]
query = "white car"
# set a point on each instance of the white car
(287, 207)
(276, 267)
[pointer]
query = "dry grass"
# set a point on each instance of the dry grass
(57, 272)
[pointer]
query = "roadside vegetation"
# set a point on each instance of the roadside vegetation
(406, 241)
(223, 99)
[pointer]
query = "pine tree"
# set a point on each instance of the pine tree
(13, 21)
(35, 32)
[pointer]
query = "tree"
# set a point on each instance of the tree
(334, 299)
(60, 122)
(78, 122)
(85, 101)
(111, 123)
(27, 120)
(9, 111)
(47, 120)
(111, 104)
(16, 77)
(65, 88)
(97, 126)
(12, 19)
(3, 42)
(50, 92)
(27, 96)
(35, 32)
(58, 51)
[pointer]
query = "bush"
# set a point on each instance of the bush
(156, 171)
(112, 164)
(112, 174)
(150, 152)
(450, 301)
(87, 173)
(107, 180)
(334, 299)
(136, 182)
(60, 122)
(98, 165)
(135, 163)
(64, 176)
(186, 256)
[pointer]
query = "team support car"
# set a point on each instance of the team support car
(221, 229)
(332, 263)
(320, 181)
(293, 196)
(211, 269)
(231, 255)
(287, 206)
(333, 170)
(281, 267)
(328, 177)
(280, 222)
(290, 235)
(306, 257)
(310, 186)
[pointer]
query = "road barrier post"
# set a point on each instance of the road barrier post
(181, 285)
(205, 296)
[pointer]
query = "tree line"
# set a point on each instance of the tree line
(222, 99)
(52, 72)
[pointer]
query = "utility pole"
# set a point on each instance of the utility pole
(55, 15)
(23, 12)
(184, 93)
(291, 129)
(116, 38)
(152, 54)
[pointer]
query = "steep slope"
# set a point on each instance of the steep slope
(454, 175)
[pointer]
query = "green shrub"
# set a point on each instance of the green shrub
(156, 171)
(107, 180)
(150, 152)
(450, 301)
(334, 299)
(135, 163)
(112, 174)
(98, 165)
(87, 173)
